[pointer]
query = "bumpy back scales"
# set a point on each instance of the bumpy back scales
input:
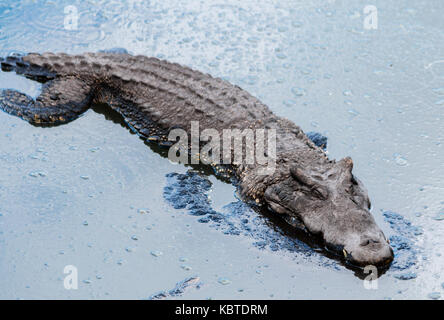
(154, 96)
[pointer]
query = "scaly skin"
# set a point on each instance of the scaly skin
(155, 96)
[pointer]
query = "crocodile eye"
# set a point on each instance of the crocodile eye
(358, 193)
(302, 177)
(362, 201)
(320, 192)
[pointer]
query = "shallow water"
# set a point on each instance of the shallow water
(92, 194)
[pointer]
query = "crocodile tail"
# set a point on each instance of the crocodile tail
(18, 63)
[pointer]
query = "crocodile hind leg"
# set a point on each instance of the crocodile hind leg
(61, 101)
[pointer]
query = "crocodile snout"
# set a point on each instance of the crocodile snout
(371, 250)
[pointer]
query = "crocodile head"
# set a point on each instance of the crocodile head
(334, 204)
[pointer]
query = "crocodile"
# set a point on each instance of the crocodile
(155, 96)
